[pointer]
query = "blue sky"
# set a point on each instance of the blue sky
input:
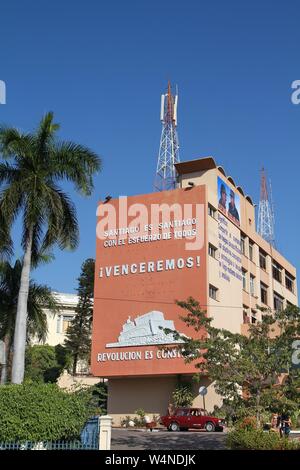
(101, 67)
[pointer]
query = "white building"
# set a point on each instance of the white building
(58, 324)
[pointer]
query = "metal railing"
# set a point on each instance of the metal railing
(96, 435)
(50, 445)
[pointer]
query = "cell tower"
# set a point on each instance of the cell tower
(266, 220)
(169, 147)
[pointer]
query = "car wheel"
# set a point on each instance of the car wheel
(174, 427)
(209, 427)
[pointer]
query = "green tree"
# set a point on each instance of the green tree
(5, 241)
(246, 370)
(183, 395)
(78, 337)
(39, 298)
(34, 164)
(44, 363)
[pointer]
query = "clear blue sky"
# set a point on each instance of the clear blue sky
(101, 67)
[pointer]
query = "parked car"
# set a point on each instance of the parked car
(183, 419)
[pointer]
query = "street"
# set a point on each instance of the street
(125, 439)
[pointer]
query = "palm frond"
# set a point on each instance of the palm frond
(15, 144)
(6, 244)
(75, 163)
(62, 221)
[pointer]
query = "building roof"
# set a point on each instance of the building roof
(66, 299)
(207, 163)
(190, 166)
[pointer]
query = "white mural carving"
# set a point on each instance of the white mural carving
(145, 330)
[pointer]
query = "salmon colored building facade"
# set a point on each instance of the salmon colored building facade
(197, 240)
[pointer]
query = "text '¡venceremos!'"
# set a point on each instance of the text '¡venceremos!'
(149, 266)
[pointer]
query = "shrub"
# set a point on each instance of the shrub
(125, 421)
(141, 413)
(256, 439)
(183, 395)
(38, 412)
(247, 423)
(140, 420)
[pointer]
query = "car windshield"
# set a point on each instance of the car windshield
(182, 412)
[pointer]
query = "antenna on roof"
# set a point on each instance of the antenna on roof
(169, 147)
(265, 226)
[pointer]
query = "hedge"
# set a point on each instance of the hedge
(38, 412)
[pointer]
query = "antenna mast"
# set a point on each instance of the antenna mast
(165, 178)
(265, 212)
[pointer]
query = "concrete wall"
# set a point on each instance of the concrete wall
(152, 394)
(69, 382)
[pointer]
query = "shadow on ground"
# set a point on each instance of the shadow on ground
(123, 439)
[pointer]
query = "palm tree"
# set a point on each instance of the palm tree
(33, 166)
(5, 241)
(39, 298)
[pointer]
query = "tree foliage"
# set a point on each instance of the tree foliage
(78, 337)
(40, 298)
(252, 373)
(33, 166)
(44, 363)
(40, 412)
(183, 395)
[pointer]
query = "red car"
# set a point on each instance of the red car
(185, 418)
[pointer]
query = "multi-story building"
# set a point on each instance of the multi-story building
(268, 279)
(58, 323)
(197, 240)
(57, 327)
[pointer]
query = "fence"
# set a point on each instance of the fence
(96, 435)
(49, 445)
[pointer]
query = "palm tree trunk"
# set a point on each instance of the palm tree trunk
(4, 374)
(4, 366)
(18, 364)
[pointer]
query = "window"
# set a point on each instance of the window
(278, 302)
(244, 276)
(182, 412)
(66, 322)
(277, 272)
(289, 282)
(262, 260)
(253, 316)
(212, 211)
(243, 244)
(246, 318)
(212, 250)
(252, 285)
(213, 292)
(251, 251)
(58, 324)
(264, 293)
